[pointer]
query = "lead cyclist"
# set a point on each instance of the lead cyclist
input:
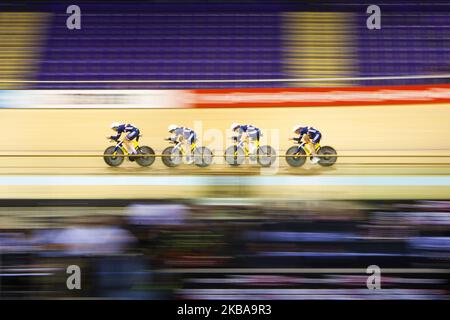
(131, 131)
(311, 136)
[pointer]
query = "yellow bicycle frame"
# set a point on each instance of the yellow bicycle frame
(245, 147)
(183, 152)
(124, 150)
(306, 148)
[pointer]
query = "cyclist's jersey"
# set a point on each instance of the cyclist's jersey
(252, 131)
(187, 133)
(311, 132)
(127, 128)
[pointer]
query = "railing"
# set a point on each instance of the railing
(400, 77)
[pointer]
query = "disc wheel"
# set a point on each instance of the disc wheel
(266, 156)
(149, 157)
(171, 158)
(110, 156)
(202, 157)
(295, 157)
(329, 160)
(234, 156)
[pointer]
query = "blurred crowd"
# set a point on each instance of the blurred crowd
(226, 248)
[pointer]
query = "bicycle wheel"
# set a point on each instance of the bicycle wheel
(147, 160)
(110, 159)
(327, 161)
(171, 158)
(292, 157)
(202, 157)
(266, 156)
(234, 156)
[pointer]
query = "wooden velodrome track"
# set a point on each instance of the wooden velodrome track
(361, 130)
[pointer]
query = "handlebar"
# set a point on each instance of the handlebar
(171, 140)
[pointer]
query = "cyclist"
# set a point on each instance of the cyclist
(311, 137)
(184, 135)
(247, 132)
(131, 131)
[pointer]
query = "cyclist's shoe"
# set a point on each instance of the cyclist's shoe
(315, 160)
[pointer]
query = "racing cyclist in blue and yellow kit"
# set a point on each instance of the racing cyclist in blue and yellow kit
(184, 135)
(311, 136)
(131, 131)
(247, 132)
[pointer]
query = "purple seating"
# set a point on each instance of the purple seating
(414, 43)
(164, 46)
(192, 45)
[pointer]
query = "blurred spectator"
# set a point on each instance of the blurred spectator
(145, 251)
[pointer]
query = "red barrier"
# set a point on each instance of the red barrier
(314, 97)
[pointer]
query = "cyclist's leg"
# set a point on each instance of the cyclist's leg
(310, 144)
(188, 147)
(253, 142)
(314, 141)
(308, 141)
(129, 141)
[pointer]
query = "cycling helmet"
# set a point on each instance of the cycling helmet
(115, 125)
(296, 128)
(172, 127)
(234, 126)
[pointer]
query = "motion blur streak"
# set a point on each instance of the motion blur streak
(254, 249)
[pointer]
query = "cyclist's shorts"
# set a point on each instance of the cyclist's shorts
(132, 135)
(255, 135)
(192, 138)
(317, 138)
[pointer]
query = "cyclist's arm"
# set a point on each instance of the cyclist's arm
(117, 136)
(235, 138)
(243, 136)
(120, 130)
(299, 138)
(179, 138)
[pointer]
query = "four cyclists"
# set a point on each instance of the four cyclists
(244, 132)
